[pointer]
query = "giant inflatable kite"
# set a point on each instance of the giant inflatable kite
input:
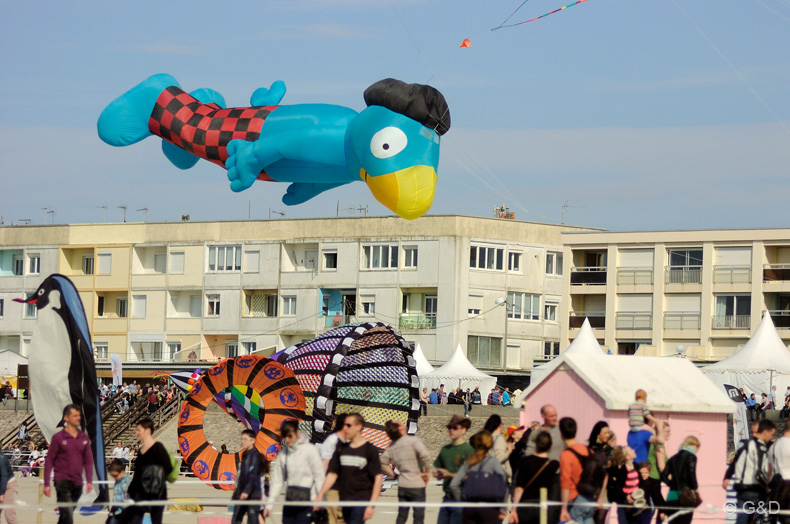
(61, 367)
(257, 391)
(366, 369)
(392, 145)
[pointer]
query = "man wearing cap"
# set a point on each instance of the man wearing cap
(449, 461)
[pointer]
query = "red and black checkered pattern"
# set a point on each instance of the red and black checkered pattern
(205, 129)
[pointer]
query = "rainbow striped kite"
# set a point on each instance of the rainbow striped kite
(539, 17)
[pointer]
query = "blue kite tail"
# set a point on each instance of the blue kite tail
(125, 121)
(181, 158)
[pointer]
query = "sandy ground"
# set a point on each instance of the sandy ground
(215, 504)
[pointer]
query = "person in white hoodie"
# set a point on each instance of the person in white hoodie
(298, 467)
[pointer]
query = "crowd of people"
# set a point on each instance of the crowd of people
(757, 408)
(496, 397)
(126, 395)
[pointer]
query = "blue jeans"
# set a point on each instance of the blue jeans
(450, 515)
(747, 496)
(354, 515)
(294, 515)
(581, 512)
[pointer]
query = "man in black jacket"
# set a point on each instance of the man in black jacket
(248, 480)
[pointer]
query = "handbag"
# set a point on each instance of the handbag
(689, 498)
(294, 493)
(484, 487)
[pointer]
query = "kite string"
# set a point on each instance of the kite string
(547, 14)
(509, 17)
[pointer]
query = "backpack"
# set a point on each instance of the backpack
(593, 472)
(484, 487)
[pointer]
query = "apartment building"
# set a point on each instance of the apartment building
(657, 292)
(175, 292)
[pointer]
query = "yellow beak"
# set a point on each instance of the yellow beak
(408, 192)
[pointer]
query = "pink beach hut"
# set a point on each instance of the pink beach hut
(590, 387)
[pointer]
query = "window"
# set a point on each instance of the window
(431, 302)
(213, 306)
(551, 349)
(19, 265)
(249, 347)
(410, 256)
(262, 305)
(121, 305)
(486, 257)
(100, 350)
(30, 309)
(34, 264)
(100, 306)
(550, 312)
(289, 306)
(232, 349)
(105, 263)
(523, 306)
(330, 260)
(177, 262)
(484, 351)
(2, 307)
(224, 258)
(473, 312)
(685, 258)
(87, 264)
(514, 262)
(160, 262)
(368, 304)
(380, 257)
(732, 311)
(252, 261)
(195, 306)
(172, 349)
(140, 304)
(325, 306)
(554, 264)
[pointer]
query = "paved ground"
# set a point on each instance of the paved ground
(29, 489)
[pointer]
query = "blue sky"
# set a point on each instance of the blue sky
(641, 115)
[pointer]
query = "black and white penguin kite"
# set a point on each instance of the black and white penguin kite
(61, 367)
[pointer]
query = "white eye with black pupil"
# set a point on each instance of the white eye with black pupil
(40, 292)
(388, 142)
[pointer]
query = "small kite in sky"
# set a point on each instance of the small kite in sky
(536, 18)
(466, 43)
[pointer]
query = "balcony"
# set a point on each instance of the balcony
(776, 272)
(781, 318)
(417, 322)
(333, 321)
(634, 320)
(683, 321)
(597, 319)
(731, 321)
(683, 275)
(634, 276)
(588, 275)
(732, 274)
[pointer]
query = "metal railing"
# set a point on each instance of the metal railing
(781, 318)
(683, 320)
(634, 320)
(683, 275)
(776, 272)
(731, 321)
(589, 275)
(332, 321)
(634, 276)
(597, 319)
(732, 274)
(417, 322)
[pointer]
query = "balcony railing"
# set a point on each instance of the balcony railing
(781, 318)
(634, 276)
(597, 319)
(732, 274)
(417, 322)
(634, 320)
(683, 320)
(589, 275)
(683, 275)
(731, 321)
(776, 272)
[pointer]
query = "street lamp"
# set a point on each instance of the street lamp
(500, 301)
(681, 349)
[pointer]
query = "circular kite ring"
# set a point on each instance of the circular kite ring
(259, 392)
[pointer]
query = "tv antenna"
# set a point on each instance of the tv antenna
(48, 211)
(124, 212)
(146, 212)
(104, 207)
(566, 206)
(281, 213)
(25, 221)
(363, 209)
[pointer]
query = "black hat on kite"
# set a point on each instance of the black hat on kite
(422, 103)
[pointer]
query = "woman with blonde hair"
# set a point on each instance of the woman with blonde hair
(680, 474)
(481, 479)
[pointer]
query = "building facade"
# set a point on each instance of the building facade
(175, 292)
(660, 292)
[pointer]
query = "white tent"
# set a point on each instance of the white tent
(459, 372)
(423, 366)
(585, 343)
(762, 362)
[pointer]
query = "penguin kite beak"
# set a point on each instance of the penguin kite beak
(31, 300)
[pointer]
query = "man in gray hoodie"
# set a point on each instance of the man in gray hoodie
(411, 458)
